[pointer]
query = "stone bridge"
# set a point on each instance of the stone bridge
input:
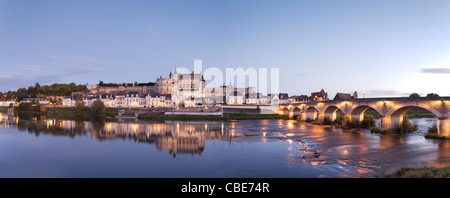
(391, 110)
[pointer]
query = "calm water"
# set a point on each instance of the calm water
(41, 147)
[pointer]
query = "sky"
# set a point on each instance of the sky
(378, 48)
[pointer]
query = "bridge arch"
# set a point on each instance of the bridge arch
(405, 108)
(331, 112)
(357, 113)
(311, 113)
(296, 112)
(397, 116)
(284, 111)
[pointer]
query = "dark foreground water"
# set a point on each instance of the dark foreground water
(41, 147)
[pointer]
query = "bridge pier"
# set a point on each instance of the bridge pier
(385, 122)
(303, 116)
(331, 116)
(347, 116)
(390, 122)
(321, 117)
(291, 114)
(396, 120)
(443, 127)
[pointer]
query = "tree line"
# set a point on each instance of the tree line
(416, 95)
(38, 91)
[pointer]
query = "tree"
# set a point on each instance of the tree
(21, 94)
(432, 95)
(100, 83)
(79, 104)
(414, 95)
(98, 107)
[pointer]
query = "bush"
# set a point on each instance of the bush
(425, 172)
(368, 121)
(433, 136)
(351, 123)
(98, 107)
(433, 129)
(33, 106)
(339, 118)
(406, 126)
(327, 121)
(378, 130)
(433, 133)
(23, 106)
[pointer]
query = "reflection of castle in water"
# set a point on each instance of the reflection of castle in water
(174, 136)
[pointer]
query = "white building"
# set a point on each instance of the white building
(125, 100)
(236, 97)
(132, 99)
(5, 103)
(68, 101)
(182, 86)
(40, 100)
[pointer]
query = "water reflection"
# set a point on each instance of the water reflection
(176, 137)
(359, 153)
(251, 148)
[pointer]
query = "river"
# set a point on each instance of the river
(48, 147)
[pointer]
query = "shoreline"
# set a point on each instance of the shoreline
(70, 112)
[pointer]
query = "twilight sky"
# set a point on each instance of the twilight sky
(382, 48)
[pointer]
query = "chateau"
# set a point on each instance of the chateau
(178, 90)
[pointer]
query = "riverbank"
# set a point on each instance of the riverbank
(425, 172)
(67, 112)
(72, 112)
(225, 117)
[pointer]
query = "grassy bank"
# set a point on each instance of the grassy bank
(243, 116)
(433, 133)
(67, 112)
(226, 116)
(72, 112)
(177, 117)
(425, 172)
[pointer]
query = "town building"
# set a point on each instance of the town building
(6, 103)
(236, 97)
(284, 98)
(39, 100)
(319, 96)
(300, 98)
(344, 96)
